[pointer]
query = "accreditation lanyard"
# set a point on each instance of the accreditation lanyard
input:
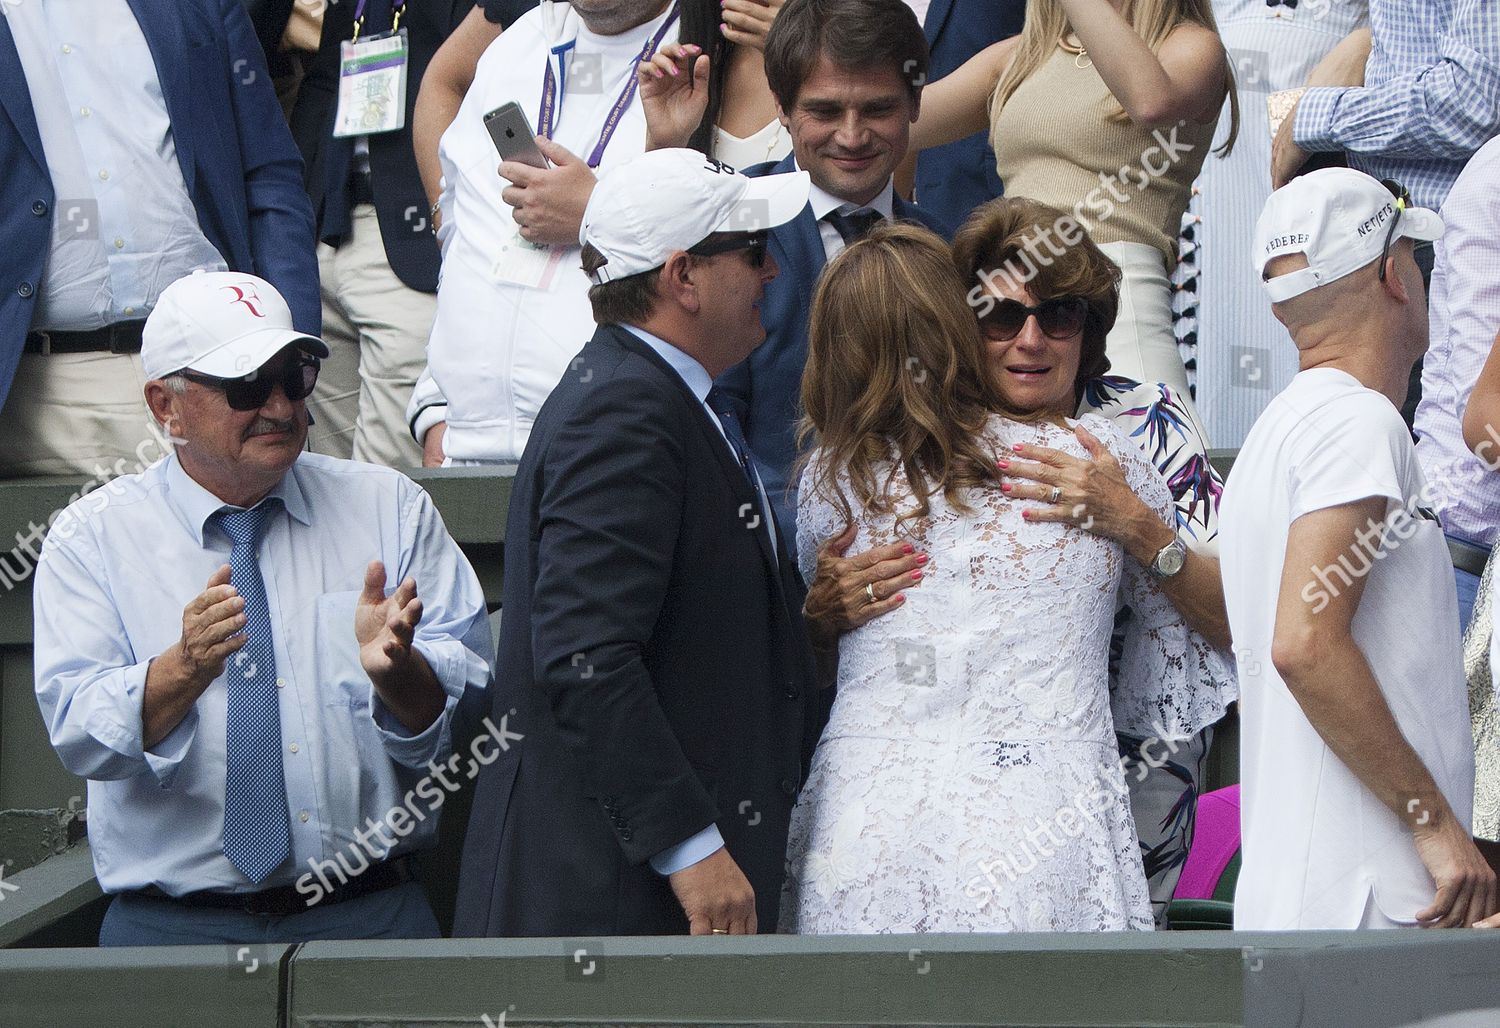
(372, 78)
(546, 117)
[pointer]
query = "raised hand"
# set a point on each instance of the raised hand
(212, 628)
(674, 94)
(385, 626)
(549, 202)
(746, 22)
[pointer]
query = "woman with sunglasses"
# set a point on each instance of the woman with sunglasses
(1105, 109)
(968, 778)
(1044, 341)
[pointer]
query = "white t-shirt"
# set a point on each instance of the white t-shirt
(498, 348)
(1317, 842)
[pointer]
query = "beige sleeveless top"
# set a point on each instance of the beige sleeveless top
(1054, 139)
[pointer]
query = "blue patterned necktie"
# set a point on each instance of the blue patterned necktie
(855, 225)
(256, 831)
(719, 403)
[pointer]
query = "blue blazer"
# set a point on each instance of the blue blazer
(954, 179)
(236, 154)
(767, 388)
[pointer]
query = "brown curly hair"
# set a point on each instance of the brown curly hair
(896, 374)
(1001, 237)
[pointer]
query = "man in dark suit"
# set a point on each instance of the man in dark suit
(379, 255)
(141, 140)
(847, 76)
(652, 652)
(954, 179)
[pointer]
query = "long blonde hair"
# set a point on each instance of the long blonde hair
(1153, 21)
(896, 377)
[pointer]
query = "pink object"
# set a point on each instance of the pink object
(1216, 839)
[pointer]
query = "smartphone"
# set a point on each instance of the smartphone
(514, 139)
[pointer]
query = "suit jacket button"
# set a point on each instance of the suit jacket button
(792, 692)
(626, 834)
(39, 208)
(24, 289)
(789, 787)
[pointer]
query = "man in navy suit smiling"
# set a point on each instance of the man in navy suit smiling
(847, 76)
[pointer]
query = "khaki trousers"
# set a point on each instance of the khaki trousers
(77, 414)
(376, 328)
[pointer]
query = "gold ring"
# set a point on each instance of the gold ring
(719, 931)
(870, 592)
(1056, 494)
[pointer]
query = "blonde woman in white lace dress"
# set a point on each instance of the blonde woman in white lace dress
(968, 779)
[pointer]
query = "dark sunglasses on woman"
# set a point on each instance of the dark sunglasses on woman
(250, 392)
(1059, 318)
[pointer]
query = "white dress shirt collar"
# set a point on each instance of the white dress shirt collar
(688, 369)
(823, 202)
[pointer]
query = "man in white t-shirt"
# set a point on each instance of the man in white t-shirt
(513, 304)
(1357, 763)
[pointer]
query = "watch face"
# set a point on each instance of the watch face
(1170, 560)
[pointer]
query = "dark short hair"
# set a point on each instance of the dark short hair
(625, 301)
(853, 33)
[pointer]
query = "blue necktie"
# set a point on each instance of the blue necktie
(719, 403)
(855, 225)
(256, 831)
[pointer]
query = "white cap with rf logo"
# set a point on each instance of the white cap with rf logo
(220, 323)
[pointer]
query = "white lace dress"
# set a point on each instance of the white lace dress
(968, 779)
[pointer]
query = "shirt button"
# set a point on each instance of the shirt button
(119, 243)
(103, 175)
(24, 289)
(85, 111)
(131, 310)
(39, 208)
(280, 682)
(293, 747)
(67, 49)
(302, 817)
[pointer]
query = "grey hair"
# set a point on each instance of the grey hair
(176, 383)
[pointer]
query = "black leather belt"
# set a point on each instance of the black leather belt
(121, 337)
(1467, 556)
(287, 899)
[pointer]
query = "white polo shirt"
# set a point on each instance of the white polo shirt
(1317, 843)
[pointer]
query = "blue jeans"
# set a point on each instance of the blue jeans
(1468, 592)
(400, 912)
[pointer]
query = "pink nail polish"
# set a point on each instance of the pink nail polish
(922, 559)
(1005, 487)
(1002, 464)
(906, 547)
(916, 576)
(1018, 447)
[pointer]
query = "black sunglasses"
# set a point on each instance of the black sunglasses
(250, 392)
(753, 243)
(1059, 318)
(1403, 201)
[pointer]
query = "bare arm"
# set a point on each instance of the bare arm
(1185, 80)
(1344, 65)
(958, 105)
(447, 80)
(1482, 415)
(1314, 651)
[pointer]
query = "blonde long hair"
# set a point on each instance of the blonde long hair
(896, 377)
(1153, 21)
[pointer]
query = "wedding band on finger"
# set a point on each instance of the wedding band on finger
(870, 592)
(719, 931)
(1055, 495)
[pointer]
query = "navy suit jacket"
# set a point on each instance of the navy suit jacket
(767, 388)
(400, 203)
(954, 179)
(237, 158)
(652, 654)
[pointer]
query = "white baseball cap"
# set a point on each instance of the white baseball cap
(220, 323)
(1339, 219)
(663, 201)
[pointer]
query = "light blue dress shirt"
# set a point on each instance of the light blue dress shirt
(1431, 96)
(124, 226)
(117, 570)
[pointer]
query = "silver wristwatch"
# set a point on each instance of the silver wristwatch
(1170, 559)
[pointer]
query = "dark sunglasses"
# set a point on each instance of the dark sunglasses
(753, 243)
(250, 392)
(1059, 318)
(1403, 201)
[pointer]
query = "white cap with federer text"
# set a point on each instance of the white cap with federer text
(219, 323)
(648, 208)
(1339, 219)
